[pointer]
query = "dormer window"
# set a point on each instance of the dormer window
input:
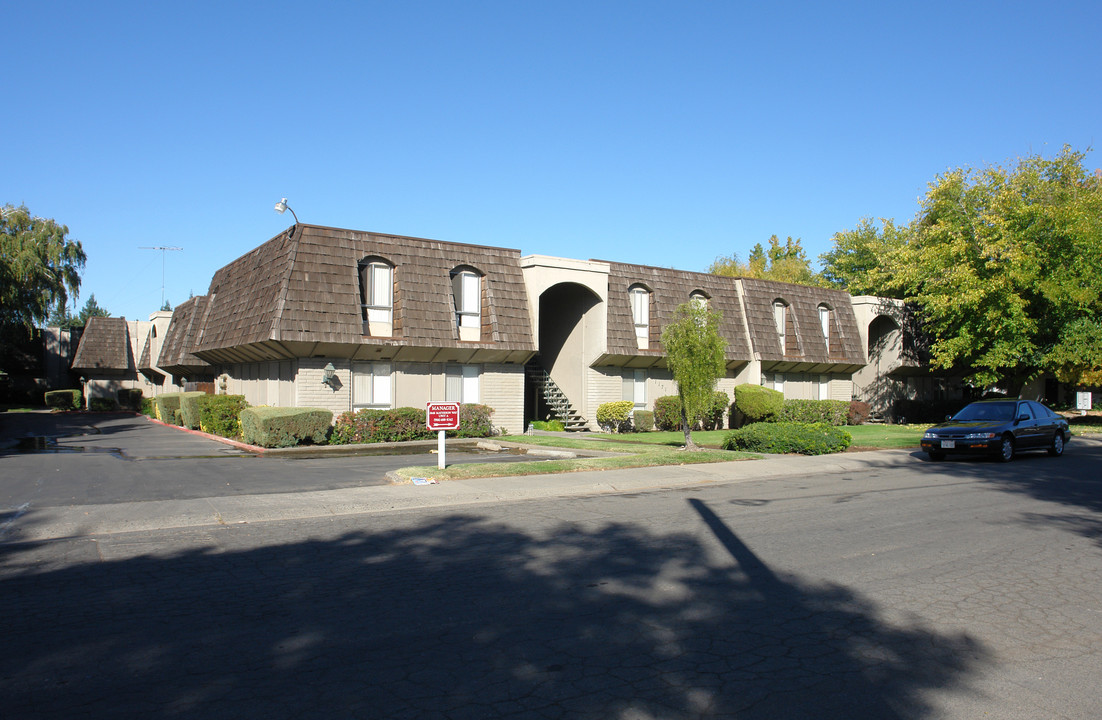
(824, 323)
(467, 295)
(780, 317)
(377, 297)
(699, 299)
(640, 314)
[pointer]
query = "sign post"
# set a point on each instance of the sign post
(441, 416)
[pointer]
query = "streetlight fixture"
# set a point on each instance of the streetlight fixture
(282, 207)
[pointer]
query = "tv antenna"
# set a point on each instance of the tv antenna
(163, 250)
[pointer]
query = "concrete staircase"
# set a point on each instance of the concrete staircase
(556, 399)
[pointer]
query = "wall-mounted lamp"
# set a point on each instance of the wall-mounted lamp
(328, 373)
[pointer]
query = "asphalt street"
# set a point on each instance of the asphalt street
(871, 585)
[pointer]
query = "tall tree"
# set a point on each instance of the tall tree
(696, 355)
(786, 262)
(39, 266)
(1004, 264)
(91, 309)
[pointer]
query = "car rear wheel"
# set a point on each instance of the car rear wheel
(1057, 447)
(1006, 450)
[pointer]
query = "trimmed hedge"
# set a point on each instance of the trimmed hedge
(643, 420)
(221, 414)
(402, 424)
(549, 425)
(832, 412)
(130, 398)
(189, 408)
(102, 404)
(615, 416)
(64, 399)
(755, 403)
(667, 413)
(147, 407)
(165, 407)
(284, 427)
(786, 437)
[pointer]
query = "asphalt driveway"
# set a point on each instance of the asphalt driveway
(104, 458)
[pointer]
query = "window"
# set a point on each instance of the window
(824, 387)
(699, 299)
(467, 294)
(824, 323)
(461, 383)
(778, 382)
(635, 388)
(640, 314)
(372, 385)
(377, 297)
(780, 316)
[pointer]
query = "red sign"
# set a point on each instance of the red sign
(442, 416)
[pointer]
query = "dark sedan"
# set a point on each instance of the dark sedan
(1000, 428)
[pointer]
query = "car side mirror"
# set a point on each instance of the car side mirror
(1022, 417)
(948, 418)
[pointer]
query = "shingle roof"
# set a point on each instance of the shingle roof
(179, 342)
(670, 288)
(104, 345)
(304, 287)
(804, 301)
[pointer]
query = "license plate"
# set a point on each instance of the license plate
(950, 444)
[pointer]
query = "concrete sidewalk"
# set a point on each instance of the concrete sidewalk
(33, 524)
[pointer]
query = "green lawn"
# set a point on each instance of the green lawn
(631, 455)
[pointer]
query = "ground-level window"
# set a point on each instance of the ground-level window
(372, 385)
(776, 382)
(635, 388)
(824, 387)
(461, 383)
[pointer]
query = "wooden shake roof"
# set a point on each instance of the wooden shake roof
(804, 301)
(180, 339)
(670, 288)
(104, 346)
(303, 286)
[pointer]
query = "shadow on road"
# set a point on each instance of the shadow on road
(458, 617)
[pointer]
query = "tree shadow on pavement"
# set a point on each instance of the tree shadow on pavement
(458, 617)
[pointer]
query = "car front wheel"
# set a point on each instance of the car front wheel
(1057, 447)
(1006, 450)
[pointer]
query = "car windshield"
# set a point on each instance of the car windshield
(987, 411)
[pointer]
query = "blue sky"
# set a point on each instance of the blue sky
(660, 133)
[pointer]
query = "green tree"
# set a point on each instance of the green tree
(785, 262)
(1004, 265)
(61, 317)
(696, 355)
(39, 266)
(166, 306)
(91, 309)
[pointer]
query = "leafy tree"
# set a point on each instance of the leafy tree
(39, 266)
(785, 262)
(91, 309)
(166, 306)
(1004, 264)
(61, 317)
(696, 355)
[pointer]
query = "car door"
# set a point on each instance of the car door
(1025, 429)
(1046, 423)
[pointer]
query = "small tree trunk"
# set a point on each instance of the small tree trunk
(689, 444)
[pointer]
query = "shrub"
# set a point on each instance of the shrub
(615, 416)
(189, 408)
(832, 412)
(643, 420)
(474, 421)
(147, 407)
(667, 413)
(284, 427)
(754, 403)
(102, 404)
(165, 406)
(64, 399)
(786, 437)
(221, 414)
(858, 412)
(550, 425)
(713, 416)
(373, 426)
(130, 398)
